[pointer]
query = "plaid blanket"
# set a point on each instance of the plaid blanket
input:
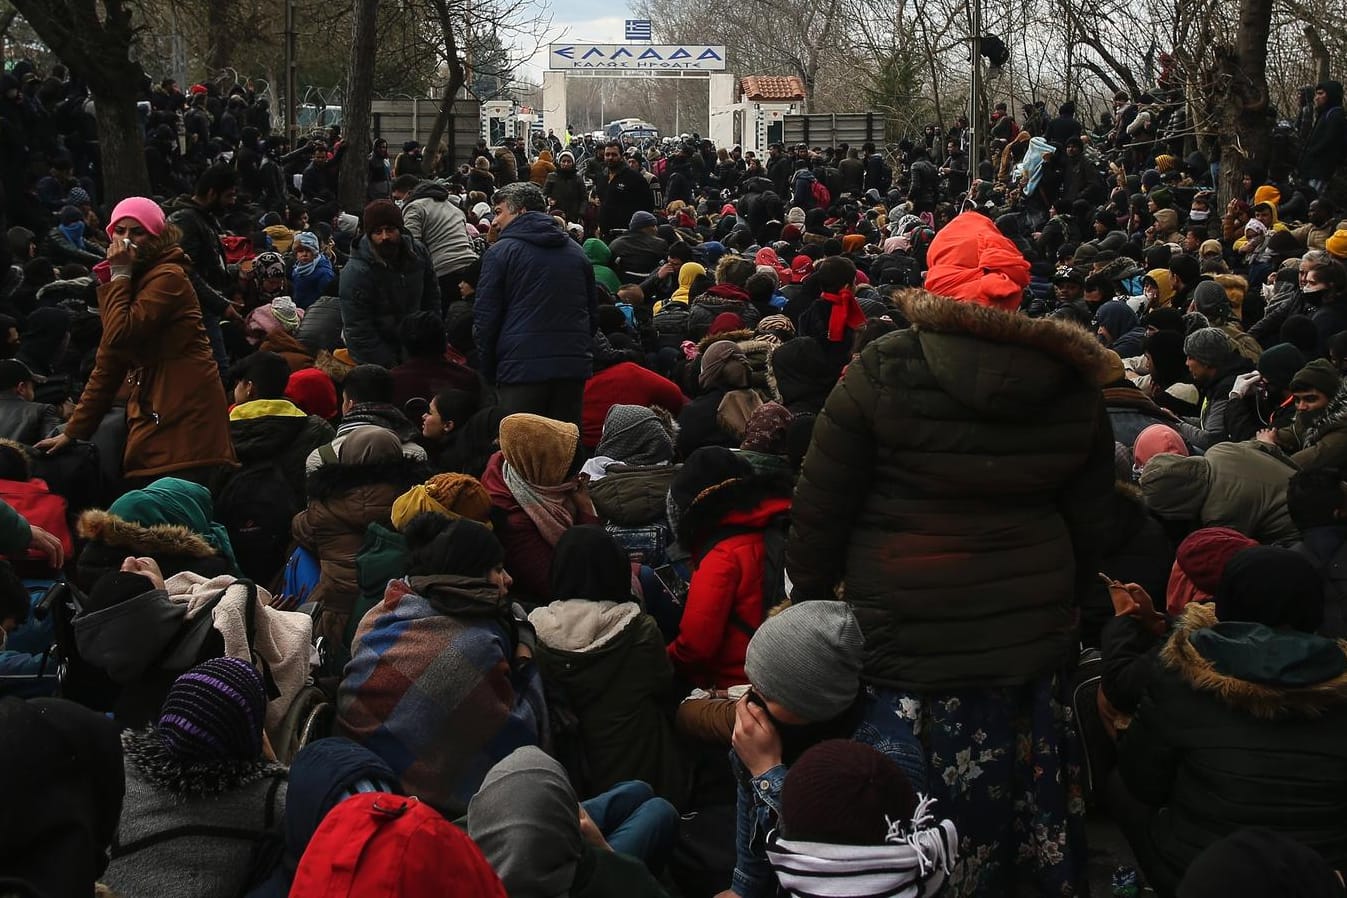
(434, 689)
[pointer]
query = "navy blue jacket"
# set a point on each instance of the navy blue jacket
(536, 310)
(376, 296)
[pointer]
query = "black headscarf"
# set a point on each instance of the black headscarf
(460, 548)
(589, 564)
(1272, 586)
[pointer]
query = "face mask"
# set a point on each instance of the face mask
(1313, 289)
(1198, 215)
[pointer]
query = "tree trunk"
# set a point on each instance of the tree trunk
(1319, 53)
(354, 174)
(1246, 129)
(219, 38)
(99, 54)
(457, 76)
(121, 150)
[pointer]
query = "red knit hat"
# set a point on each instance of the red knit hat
(314, 392)
(971, 261)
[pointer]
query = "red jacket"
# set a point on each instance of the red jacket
(41, 508)
(528, 557)
(625, 383)
(725, 598)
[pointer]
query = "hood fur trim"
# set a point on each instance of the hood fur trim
(1263, 701)
(1068, 343)
(152, 759)
(155, 539)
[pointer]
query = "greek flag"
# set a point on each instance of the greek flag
(638, 29)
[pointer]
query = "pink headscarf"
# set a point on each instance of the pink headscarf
(144, 211)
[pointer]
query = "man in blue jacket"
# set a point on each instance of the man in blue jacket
(536, 310)
(389, 277)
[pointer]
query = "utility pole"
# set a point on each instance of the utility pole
(291, 73)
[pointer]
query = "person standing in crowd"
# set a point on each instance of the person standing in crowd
(441, 228)
(536, 310)
(621, 191)
(154, 338)
(390, 275)
(969, 617)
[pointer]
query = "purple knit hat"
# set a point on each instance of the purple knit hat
(215, 712)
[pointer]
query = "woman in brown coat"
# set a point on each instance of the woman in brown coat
(153, 343)
(345, 497)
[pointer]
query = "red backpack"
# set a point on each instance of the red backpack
(376, 845)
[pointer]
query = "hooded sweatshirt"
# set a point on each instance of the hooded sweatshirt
(601, 257)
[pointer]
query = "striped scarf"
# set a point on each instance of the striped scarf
(550, 508)
(913, 862)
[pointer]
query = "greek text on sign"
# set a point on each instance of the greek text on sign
(619, 57)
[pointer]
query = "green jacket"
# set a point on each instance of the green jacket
(1236, 485)
(601, 257)
(957, 487)
(15, 534)
(609, 661)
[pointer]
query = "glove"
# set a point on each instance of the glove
(1244, 384)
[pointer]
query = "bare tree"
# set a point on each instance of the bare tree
(97, 51)
(354, 175)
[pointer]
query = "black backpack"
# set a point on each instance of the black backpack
(256, 506)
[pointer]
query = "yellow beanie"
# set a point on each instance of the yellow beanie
(1337, 244)
(1267, 194)
(451, 495)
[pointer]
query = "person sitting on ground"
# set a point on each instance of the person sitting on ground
(1263, 401)
(31, 498)
(607, 657)
(323, 774)
(543, 842)
(312, 271)
(621, 381)
(345, 497)
(1244, 723)
(442, 684)
(535, 486)
(72, 788)
(367, 399)
(725, 513)
(1317, 436)
(202, 788)
(1236, 485)
(1317, 501)
(22, 418)
(266, 427)
(426, 371)
(851, 824)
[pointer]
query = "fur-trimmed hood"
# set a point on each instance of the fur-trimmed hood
(742, 503)
(581, 625)
(1334, 418)
(1252, 668)
(1071, 345)
(142, 539)
(336, 479)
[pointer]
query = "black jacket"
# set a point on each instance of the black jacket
(621, 196)
(1240, 726)
(25, 422)
(376, 295)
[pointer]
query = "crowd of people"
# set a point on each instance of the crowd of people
(671, 522)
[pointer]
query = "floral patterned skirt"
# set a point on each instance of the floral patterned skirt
(1003, 768)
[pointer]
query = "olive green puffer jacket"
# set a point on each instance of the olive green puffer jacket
(955, 488)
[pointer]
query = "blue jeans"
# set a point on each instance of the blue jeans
(636, 823)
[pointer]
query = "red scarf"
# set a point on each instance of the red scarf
(846, 313)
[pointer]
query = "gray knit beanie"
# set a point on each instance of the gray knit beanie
(1210, 346)
(808, 658)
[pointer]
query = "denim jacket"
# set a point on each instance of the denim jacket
(758, 805)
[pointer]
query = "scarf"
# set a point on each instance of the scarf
(74, 232)
(846, 313)
(303, 271)
(914, 861)
(548, 507)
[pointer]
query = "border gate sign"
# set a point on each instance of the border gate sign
(645, 57)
